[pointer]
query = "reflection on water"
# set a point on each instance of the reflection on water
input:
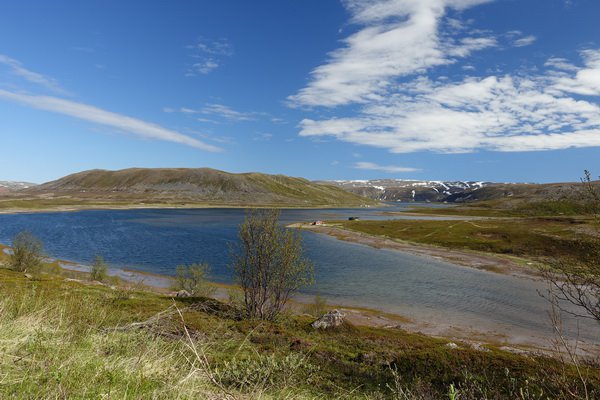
(422, 288)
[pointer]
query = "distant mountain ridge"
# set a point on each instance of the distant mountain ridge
(404, 190)
(202, 185)
(10, 186)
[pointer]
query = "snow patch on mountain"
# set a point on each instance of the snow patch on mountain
(409, 189)
(9, 186)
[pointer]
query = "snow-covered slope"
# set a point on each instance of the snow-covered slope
(410, 190)
(8, 186)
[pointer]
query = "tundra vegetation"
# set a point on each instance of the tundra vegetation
(69, 339)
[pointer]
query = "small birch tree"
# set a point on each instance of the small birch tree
(27, 252)
(268, 264)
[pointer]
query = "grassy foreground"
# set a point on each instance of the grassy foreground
(66, 339)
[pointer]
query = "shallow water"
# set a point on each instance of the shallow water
(424, 289)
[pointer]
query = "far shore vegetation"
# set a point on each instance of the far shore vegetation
(537, 238)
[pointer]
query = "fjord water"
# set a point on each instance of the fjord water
(424, 289)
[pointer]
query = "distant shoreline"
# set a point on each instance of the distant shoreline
(466, 258)
(171, 207)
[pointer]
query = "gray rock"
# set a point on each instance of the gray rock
(452, 345)
(330, 320)
(183, 293)
(479, 347)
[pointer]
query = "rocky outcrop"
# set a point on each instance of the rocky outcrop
(332, 319)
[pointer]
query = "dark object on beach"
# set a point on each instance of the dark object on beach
(353, 219)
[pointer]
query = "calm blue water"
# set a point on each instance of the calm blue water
(425, 289)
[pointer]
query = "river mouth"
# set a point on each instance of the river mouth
(436, 296)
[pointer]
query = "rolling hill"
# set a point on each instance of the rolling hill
(179, 186)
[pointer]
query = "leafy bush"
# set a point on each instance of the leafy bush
(99, 271)
(27, 252)
(193, 279)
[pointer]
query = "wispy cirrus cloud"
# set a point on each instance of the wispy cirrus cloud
(518, 39)
(398, 38)
(107, 118)
(385, 70)
(525, 41)
(218, 110)
(384, 168)
(228, 113)
(208, 55)
(16, 68)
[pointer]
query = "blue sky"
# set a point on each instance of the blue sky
(504, 90)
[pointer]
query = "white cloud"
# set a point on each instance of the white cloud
(217, 110)
(399, 38)
(384, 67)
(208, 55)
(107, 118)
(518, 39)
(203, 67)
(586, 81)
(525, 41)
(384, 168)
(16, 68)
(501, 113)
(226, 112)
(220, 47)
(560, 64)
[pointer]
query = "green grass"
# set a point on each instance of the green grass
(58, 340)
(515, 208)
(534, 238)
